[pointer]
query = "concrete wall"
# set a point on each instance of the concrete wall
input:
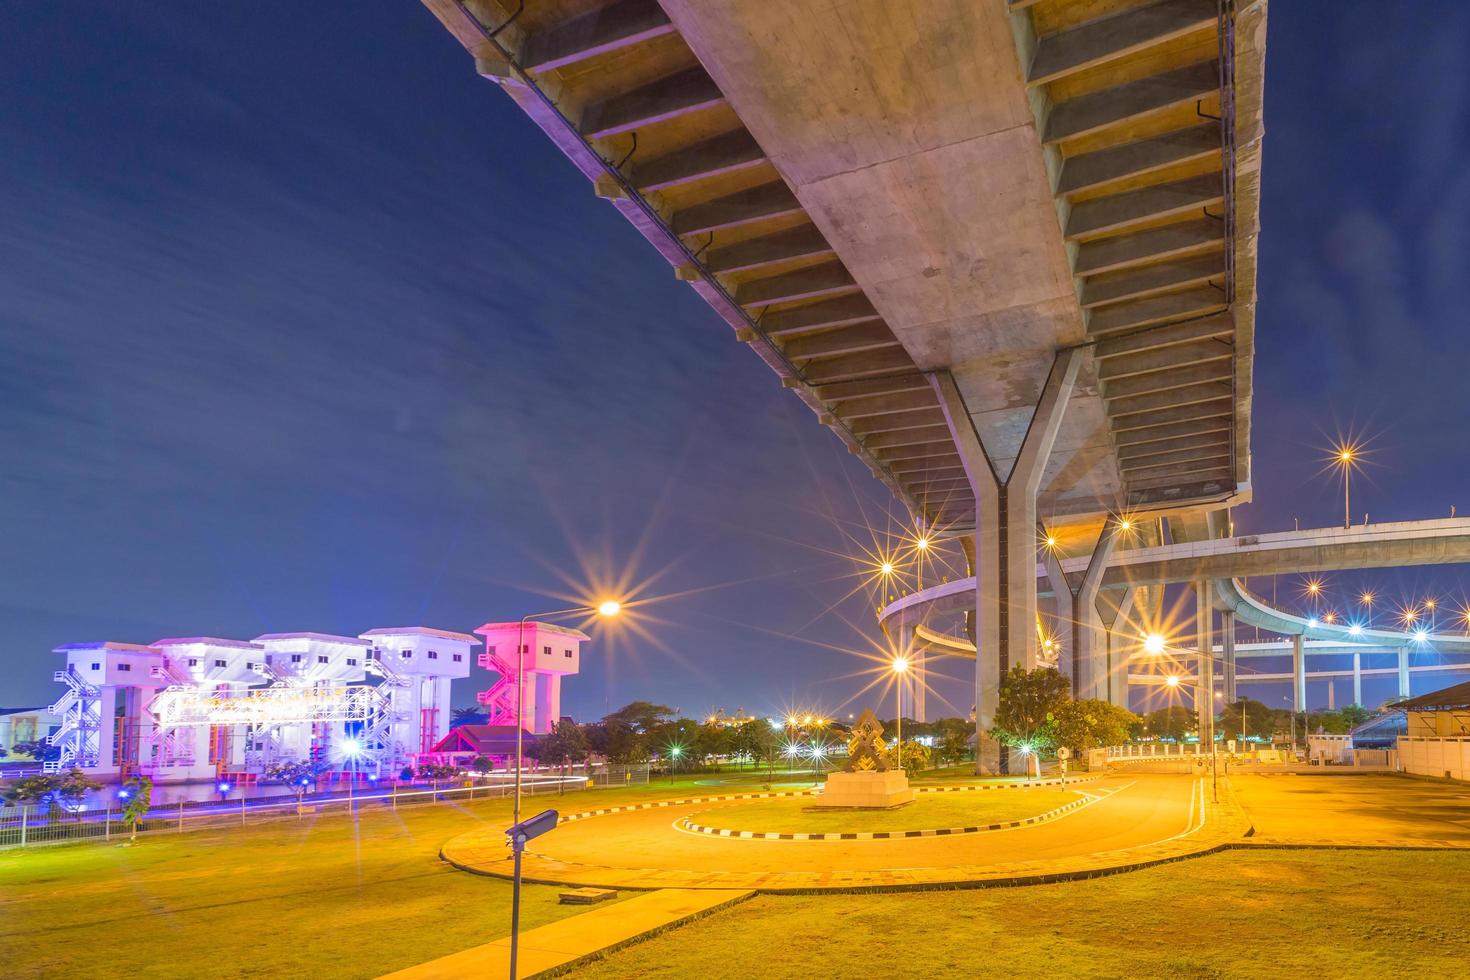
(1444, 757)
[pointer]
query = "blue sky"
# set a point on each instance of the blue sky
(304, 326)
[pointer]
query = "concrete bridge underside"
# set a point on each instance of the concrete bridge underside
(1005, 249)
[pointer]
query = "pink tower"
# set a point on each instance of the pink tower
(548, 653)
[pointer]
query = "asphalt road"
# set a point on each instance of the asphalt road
(1358, 809)
(1128, 812)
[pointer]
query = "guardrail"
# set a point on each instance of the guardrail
(30, 826)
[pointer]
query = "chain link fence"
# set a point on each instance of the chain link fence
(32, 825)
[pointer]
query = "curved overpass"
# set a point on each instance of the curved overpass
(1405, 543)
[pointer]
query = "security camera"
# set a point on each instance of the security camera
(532, 827)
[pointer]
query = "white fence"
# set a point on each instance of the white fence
(27, 826)
(1145, 751)
(1445, 757)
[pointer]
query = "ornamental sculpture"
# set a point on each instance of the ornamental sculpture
(865, 748)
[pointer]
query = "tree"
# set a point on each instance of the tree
(954, 746)
(58, 791)
(630, 729)
(437, 771)
(565, 743)
(745, 740)
(481, 765)
(139, 802)
(1092, 724)
(1259, 719)
(915, 757)
(38, 749)
(1174, 722)
(300, 776)
(1028, 703)
(1356, 714)
(463, 715)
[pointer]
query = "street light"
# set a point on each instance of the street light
(1153, 644)
(674, 752)
(1346, 457)
(900, 667)
(606, 608)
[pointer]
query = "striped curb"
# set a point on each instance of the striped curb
(1037, 782)
(656, 804)
(888, 834)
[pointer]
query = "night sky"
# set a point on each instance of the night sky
(305, 326)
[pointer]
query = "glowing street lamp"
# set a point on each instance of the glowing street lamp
(1172, 680)
(1153, 644)
(900, 666)
(1346, 457)
(674, 752)
(607, 609)
(886, 568)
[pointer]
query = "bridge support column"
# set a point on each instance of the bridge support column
(1204, 693)
(1005, 539)
(1087, 643)
(1298, 675)
(1358, 679)
(1403, 672)
(1227, 638)
(1119, 644)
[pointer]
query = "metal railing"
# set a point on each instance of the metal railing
(34, 825)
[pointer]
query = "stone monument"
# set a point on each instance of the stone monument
(866, 782)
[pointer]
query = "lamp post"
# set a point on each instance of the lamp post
(608, 608)
(900, 667)
(1346, 455)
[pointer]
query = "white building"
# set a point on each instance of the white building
(417, 664)
(198, 708)
(105, 723)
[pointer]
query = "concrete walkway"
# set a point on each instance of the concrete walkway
(561, 945)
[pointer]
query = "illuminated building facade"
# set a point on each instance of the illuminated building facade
(187, 709)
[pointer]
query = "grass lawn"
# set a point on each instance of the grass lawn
(319, 895)
(929, 811)
(1237, 914)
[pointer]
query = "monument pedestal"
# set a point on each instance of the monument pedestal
(866, 790)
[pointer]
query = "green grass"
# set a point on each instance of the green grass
(929, 811)
(321, 894)
(1237, 914)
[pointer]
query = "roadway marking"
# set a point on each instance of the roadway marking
(1051, 816)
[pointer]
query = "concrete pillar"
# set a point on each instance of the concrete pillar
(1204, 693)
(921, 680)
(1086, 646)
(1120, 642)
(1357, 678)
(1227, 638)
(1403, 672)
(1298, 675)
(1005, 538)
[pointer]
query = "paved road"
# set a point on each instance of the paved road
(1360, 809)
(646, 848)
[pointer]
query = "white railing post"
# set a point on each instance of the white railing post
(23, 811)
